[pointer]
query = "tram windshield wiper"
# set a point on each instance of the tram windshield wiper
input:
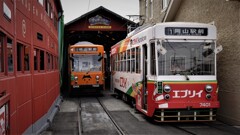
(186, 76)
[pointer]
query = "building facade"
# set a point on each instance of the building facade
(29, 71)
(225, 14)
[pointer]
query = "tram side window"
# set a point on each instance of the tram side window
(138, 59)
(113, 63)
(124, 61)
(121, 63)
(133, 59)
(128, 60)
(118, 62)
(10, 54)
(153, 59)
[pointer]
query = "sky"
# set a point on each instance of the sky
(73, 9)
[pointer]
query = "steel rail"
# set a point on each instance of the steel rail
(119, 130)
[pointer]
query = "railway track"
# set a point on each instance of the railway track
(94, 118)
(206, 128)
(109, 116)
(120, 131)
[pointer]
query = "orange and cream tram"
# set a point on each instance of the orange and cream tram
(87, 66)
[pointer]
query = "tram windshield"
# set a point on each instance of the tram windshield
(187, 58)
(86, 63)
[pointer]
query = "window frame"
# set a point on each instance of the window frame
(22, 58)
(138, 59)
(164, 4)
(13, 60)
(41, 2)
(146, 10)
(133, 59)
(151, 9)
(40, 62)
(128, 60)
(2, 72)
(153, 63)
(29, 58)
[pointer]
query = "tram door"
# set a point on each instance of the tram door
(145, 92)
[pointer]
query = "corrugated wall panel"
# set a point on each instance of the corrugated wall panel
(23, 89)
(39, 85)
(39, 107)
(24, 119)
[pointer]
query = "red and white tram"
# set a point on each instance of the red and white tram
(169, 71)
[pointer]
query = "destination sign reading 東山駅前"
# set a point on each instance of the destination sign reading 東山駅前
(186, 31)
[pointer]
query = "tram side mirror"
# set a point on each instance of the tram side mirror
(105, 55)
(160, 48)
(208, 49)
(207, 52)
(218, 49)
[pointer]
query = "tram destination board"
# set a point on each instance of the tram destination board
(186, 31)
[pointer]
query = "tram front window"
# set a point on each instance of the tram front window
(187, 58)
(86, 63)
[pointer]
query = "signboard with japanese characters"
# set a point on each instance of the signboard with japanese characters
(99, 22)
(188, 31)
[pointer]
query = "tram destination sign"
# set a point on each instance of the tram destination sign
(186, 31)
(85, 49)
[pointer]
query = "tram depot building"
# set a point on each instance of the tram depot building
(99, 26)
(224, 14)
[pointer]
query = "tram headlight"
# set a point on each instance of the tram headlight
(167, 88)
(208, 88)
(167, 97)
(208, 96)
(75, 78)
(97, 77)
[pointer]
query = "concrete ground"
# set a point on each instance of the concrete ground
(129, 120)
